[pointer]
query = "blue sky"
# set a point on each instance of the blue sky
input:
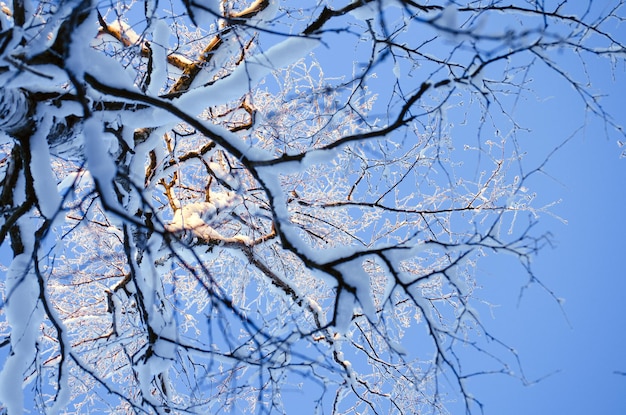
(580, 348)
(569, 352)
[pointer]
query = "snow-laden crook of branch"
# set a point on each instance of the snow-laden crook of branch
(198, 217)
(14, 108)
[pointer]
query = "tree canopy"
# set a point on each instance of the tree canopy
(244, 206)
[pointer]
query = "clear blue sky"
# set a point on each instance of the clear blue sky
(585, 347)
(586, 269)
(569, 354)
